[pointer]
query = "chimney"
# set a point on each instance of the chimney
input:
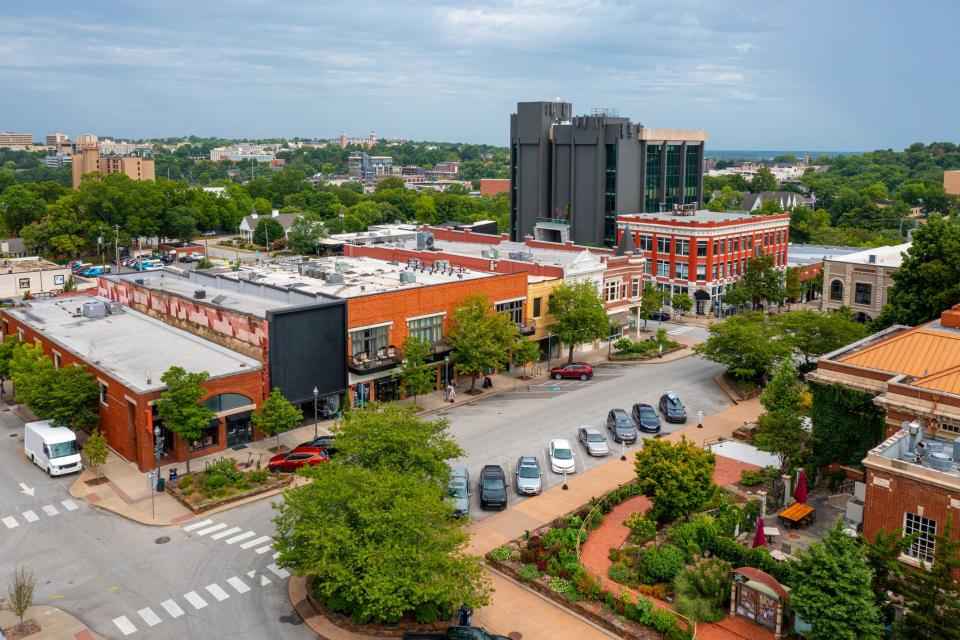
(951, 318)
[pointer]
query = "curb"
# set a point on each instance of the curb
(720, 382)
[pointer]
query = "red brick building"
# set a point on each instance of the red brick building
(128, 352)
(493, 186)
(702, 253)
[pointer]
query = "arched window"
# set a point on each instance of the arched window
(227, 401)
(836, 290)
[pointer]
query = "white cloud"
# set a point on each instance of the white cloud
(745, 47)
(739, 94)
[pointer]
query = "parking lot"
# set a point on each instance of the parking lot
(519, 422)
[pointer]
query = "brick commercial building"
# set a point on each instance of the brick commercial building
(951, 182)
(493, 186)
(860, 280)
(702, 253)
(912, 477)
(128, 352)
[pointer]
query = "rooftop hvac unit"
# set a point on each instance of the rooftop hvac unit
(408, 277)
(199, 294)
(334, 278)
(424, 241)
(94, 309)
(940, 461)
(341, 266)
(441, 264)
(522, 256)
(314, 272)
(490, 254)
(114, 307)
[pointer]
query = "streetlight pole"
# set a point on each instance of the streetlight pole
(157, 450)
(446, 371)
(316, 393)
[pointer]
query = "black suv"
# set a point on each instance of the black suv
(646, 418)
(493, 488)
(621, 426)
(671, 407)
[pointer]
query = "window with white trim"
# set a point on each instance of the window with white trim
(103, 393)
(683, 270)
(950, 428)
(369, 341)
(635, 288)
(513, 309)
(683, 247)
(648, 266)
(663, 268)
(924, 547)
(701, 272)
(611, 290)
(429, 328)
(701, 248)
(663, 244)
(56, 360)
(646, 243)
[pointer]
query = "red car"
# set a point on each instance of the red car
(580, 370)
(290, 462)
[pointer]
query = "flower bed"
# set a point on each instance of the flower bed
(222, 483)
(627, 349)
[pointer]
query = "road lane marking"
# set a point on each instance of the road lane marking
(30, 516)
(149, 616)
(242, 536)
(255, 542)
(264, 581)
(279, 571)
(215, 527)
(195, 600)
(197, 525)
(11, 522)
(264, 549)
(238, 584)
(69, 504)
(126, 627)
(50, 510)
(224, 534)
(172, 608)
(217, 592)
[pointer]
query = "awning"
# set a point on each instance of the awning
(700, 294)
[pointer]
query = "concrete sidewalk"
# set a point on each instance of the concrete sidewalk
(55, 624)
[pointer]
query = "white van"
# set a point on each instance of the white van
(53, 449)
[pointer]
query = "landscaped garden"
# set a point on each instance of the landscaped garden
(223, 482)
(660, 344)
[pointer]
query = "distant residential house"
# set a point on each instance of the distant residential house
(249, 223)
(753, 201)
(12, 248)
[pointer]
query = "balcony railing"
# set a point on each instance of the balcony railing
(527, 328)
(385, 358)
(547, 221)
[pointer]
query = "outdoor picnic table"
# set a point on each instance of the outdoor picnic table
(797, 514)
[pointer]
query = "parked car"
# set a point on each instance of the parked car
(92, 272)
(459, 490)
(185, 258)
(671, 407)
(169, 258)
(77, 269)
(73, 264)
(562, 456)
(324, 442)
(621, 426)
(493, 488)
(660, 316)
(580, 370)
(299, 457)
(646, 418)
(209, 233)
(456, 633)
(593, 440)
(197, 256)
(529, 481)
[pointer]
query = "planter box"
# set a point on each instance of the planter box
(626, 356)
(177, 494)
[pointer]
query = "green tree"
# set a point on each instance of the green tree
(703, 590)
(179, 404)
(762, 281)
(7, 348)
(525, 352)
(20, 592)
(19, 206)
(780, 429)
(832, 589)
(651, 301)
(480, 337)
(415, 377)
(677, 477)
(748, 344)
(931, 595)
(812, 334)
(727, 200)
(276, 415)
(305, 234)
(267, 232)
(95, 450)
(763, 181)
(262, 206)
(72, 399)
(32, 374)
(579, 315)
(681, 303)
(392, 182)
(883, 557)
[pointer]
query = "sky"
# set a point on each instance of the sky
(844, 75)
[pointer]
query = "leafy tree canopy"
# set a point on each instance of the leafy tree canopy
(677, 477)
(482, 339)
(579, 314)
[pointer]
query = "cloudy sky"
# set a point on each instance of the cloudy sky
(816, 74)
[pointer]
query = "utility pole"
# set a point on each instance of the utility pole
(116, 246)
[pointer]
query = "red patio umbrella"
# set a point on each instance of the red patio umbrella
(760, 539)
(800, 493)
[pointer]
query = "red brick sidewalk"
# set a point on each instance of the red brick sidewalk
(595, 555)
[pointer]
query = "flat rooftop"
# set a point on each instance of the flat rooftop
(23, 265)
(700, 216)
(936, 455)
(375, 234)
(890, 256)
(505, 249)
(803, 254)
(131, 347)
(348, 277)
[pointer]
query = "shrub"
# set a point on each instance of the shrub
(428, 612)
(528, 572)
(587, 586)
(185, 481)
(658, 591)
(559, 585)
(663, 621)
(258, 476)
(501, 553)
(662, 563)
(625, 344)
(703, 589)
(641, 527)
(619, 573)
(614, 555)
(750, 478)
(639, 612)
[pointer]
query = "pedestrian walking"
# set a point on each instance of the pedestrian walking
(451, 392)
(466, 613)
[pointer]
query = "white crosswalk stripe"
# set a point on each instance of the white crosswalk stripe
(149, 616)
(279, 571)
(264, 549)
(195, 600)
(126, 627)
(30, 516)
(197, 525)
(255, 542)
(215, 527)
(11, 522)
(69, 505)
(224, 534)
(50, 510)
(217, 592)
(238, 584)
(242, 536)
(172, 608)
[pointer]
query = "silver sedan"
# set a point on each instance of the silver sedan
(593, 440)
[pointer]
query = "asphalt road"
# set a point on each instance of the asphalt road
(500, 429)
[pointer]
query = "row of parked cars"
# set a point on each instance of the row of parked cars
(528, 480)
(87, 269)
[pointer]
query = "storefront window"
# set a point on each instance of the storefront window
(429, 329)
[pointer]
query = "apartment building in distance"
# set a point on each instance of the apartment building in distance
(243, 151)
(703, 253)
(16, 141)
(860, 280)
(571, 176)
(366, 167)
(951, 182)
(88, 160)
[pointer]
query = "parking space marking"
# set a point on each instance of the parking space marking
(238, 584)
(224, 534)
(69, 504)
(264, 549)
(11, 522)
(215, 527)
(172, 608)
(149, 616)
(30, 516)
(126, 627)
(254, 542)
(242, 536)
(197, 525)
(217, 592)
(195, 600)
(279, 571)
(51, 511)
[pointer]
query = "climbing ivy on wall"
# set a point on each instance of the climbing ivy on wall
(846, 424)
